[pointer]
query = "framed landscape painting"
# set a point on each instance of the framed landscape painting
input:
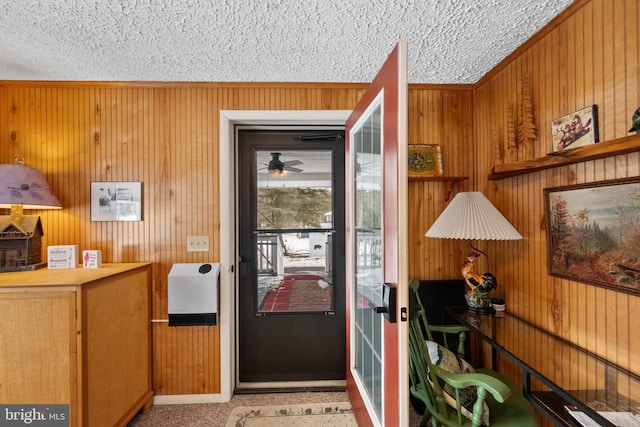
(593, 233)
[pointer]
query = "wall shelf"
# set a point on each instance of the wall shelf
(627, 144)
(448, 180)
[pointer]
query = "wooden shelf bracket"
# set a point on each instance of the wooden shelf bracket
(448, 181)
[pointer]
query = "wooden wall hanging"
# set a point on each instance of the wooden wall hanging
(526, 127)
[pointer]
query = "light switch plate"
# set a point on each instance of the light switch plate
(197, 243)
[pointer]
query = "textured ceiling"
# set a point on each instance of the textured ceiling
(449, 41)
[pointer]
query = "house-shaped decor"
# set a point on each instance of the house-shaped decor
(20, 243)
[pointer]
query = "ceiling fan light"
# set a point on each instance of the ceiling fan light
(276, 167)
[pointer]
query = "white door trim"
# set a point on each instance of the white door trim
(228, 120)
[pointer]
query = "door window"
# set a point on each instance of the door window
(368, 278)
(294, 227)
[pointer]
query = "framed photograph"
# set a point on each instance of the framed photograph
(116, 201)
(593, 233)
(425, 160)
(576, 129)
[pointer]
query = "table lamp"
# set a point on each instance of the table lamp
(471, 216)
(22, 187)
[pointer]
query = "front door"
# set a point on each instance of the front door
(376, 247)
(291, 295)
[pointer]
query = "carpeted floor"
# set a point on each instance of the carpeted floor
(217, 414)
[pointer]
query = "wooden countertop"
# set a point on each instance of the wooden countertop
(64, 277)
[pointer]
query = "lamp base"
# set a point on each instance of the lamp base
(478, 299)
(478, 303)
(16, 214)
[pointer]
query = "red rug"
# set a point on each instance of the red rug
(299, 292)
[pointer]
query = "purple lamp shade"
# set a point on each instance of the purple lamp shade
(26, 186)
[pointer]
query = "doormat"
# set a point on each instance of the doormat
(311, 414)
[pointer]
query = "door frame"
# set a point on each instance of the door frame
(228, 219)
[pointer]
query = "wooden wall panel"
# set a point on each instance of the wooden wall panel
(438, 116)
(166, 136)
(589, 57)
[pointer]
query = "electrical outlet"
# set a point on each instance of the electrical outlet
(197, 243)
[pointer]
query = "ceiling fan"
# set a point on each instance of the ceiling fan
(278, 167)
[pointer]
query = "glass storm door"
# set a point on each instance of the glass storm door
(291, 303)
(376, 247)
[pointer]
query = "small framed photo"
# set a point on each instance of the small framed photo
(116, 201)
(425, 160)
(576, 129)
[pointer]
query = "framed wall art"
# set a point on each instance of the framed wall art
(425, 160)
(576, 129)
(116, 201)
(593, 233)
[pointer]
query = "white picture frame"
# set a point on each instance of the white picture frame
(116, 201)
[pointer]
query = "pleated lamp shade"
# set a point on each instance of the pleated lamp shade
(471, 216)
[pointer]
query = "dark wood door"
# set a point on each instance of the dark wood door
(291, 301)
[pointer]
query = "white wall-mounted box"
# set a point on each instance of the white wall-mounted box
(193, 294)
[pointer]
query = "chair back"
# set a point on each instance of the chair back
(444, 334)
(428, 383)
(430, 393)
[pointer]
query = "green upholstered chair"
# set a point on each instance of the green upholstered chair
(433, 385)
(440, 333)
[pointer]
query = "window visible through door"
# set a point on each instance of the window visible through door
(294, 231)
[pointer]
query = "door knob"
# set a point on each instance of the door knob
(377, 309)
(388, 308)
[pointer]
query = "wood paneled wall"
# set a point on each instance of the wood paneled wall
(588, 56)
(442, 117)
(166, 136)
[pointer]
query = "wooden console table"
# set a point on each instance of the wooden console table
(600, 386)
(80, 337)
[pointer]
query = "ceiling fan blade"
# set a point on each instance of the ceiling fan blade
(292, 163)
(292, 169)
